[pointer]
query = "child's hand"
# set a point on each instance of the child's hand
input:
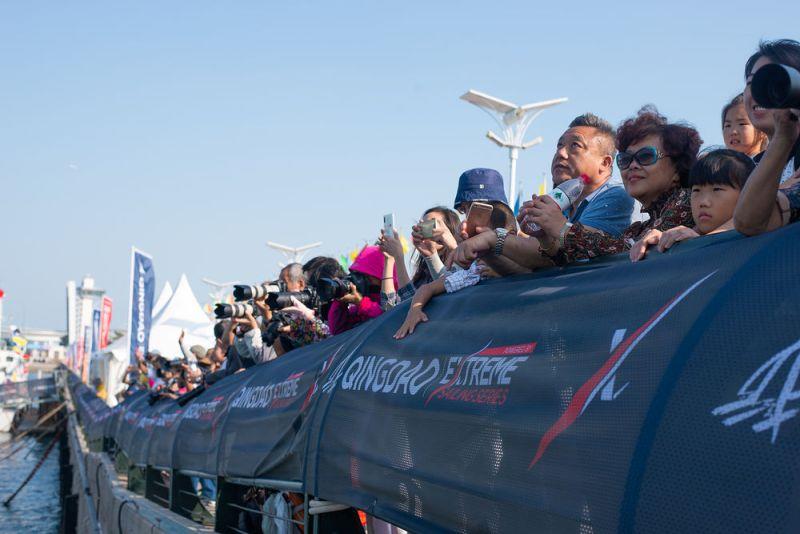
(414, 317)
(793, 180)
(674, 235)
(639, 249)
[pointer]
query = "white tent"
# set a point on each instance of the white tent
(181, 313)
(163, 298)
(176, 311)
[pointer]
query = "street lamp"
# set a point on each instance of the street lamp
(218, 295)
(292, 254)
(514, 121)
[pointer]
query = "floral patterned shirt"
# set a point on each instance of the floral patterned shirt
(304, 332)
(793, 194)
(671, 209)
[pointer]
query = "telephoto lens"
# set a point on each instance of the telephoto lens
(279, 301)
(243, 292)
(226, 311)
(776, 86)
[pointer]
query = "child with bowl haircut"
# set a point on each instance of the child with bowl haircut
(715, 181)
(456, 280)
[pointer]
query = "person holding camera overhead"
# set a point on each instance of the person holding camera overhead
(363, 302)
(771, 197)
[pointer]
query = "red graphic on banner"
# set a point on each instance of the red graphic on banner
(105, 321)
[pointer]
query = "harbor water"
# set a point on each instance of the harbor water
(37, 508)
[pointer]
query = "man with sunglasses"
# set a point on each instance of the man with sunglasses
(586, 148)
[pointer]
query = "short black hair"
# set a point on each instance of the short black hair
(783, 51)
(602, 126)
(322, 267)
(722, 166)
(219, 329)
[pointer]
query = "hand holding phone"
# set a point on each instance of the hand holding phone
(388, 224)
(427, 228)
(480, 215)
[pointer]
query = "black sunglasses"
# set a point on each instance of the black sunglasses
(645, 156)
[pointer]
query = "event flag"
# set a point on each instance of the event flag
(95, 331)
(140, 313)
(87, 353)
(105, 322)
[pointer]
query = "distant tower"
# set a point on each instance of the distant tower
(80, 306)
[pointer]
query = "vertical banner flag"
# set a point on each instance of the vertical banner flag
(105, 322)
(79, 355)
(95, 331)
(140, 315)
(87, 353)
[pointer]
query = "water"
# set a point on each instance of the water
(37, 507)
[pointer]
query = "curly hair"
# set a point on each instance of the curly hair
(680, 141)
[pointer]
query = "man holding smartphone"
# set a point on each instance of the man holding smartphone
(586, 148)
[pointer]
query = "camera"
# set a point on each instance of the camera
(335, 288)
(239, 309)
(275, 300)
(271, 333)
(244, 292)
(776, 86)
(283, 299)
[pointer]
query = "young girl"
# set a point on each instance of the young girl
(452, 281)
(716, 181)
(737, 130)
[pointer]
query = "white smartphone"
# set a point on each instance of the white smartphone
(388, 224)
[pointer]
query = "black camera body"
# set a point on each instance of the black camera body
(335, 288)
(776, 86)
(283, 299)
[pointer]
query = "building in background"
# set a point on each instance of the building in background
(81, 303)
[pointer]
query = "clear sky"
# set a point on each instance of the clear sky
(199, 130)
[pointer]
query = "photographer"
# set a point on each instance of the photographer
(359, 305)
(764, 203)
(293, 277)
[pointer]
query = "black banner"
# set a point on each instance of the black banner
(32, 390)
(659, 396)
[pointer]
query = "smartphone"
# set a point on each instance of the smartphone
(388, 224)
(479, 215)
(427, 228)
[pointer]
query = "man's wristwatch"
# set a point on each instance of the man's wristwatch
(501, 234)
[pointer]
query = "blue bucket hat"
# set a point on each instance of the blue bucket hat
(483, 185)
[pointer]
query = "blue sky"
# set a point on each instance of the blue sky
(197, 131)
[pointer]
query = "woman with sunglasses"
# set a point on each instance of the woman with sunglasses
(654, 158)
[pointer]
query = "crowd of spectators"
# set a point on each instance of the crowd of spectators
(752, 185)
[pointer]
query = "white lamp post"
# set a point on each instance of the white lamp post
(514, 121)
(292, 254)
(218, 295)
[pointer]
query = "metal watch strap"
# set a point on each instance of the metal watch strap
(501, 234)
